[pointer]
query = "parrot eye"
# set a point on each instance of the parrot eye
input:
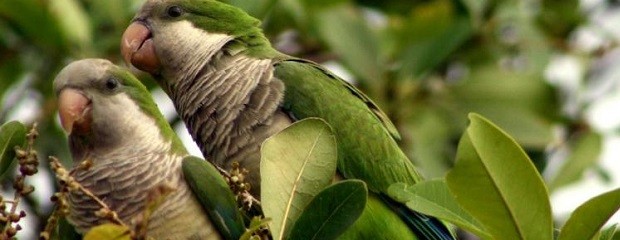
(174, 11)
(111, 84)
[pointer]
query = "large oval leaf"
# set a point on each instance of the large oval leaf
(214, 195)
(11, 134)
(588, 218)
(495, 181)
(296, 164)
(434, 198)
(331, 212)
(108, 231)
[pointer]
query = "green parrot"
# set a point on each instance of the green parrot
(114, 123)
(233, 90)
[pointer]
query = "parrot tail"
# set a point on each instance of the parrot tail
(425, 227)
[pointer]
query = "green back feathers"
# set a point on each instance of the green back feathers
(139, 93)
(366, 138)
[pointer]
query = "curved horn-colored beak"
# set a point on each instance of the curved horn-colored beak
(74, 109)
(138, 50)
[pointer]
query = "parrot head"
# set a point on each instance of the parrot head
(103, 106)
(174, 39)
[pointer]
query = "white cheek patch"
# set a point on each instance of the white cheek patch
(186, 48)
(134, 122)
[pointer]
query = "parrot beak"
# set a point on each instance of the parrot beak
(74, 109)
(137, 48)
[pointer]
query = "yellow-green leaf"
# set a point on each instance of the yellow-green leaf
(588, 218)
(495, 181)
(296, 164)
(109, 232)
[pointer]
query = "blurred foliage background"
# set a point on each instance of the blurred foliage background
(546, 71)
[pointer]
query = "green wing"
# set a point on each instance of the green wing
(366, 138)
(367, 148)
(66, 231)
(215, 196)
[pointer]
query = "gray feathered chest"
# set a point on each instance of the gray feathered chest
(230, 107)
(122, 179)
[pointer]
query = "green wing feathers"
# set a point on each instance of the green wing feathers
(214, 195)
(362, 130)
(367, 148)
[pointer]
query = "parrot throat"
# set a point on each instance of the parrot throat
(230, 107)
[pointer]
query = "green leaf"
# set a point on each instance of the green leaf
(331, 212)
(296, 164)
(108, 231)
(434, 198)
(214, 195)
(495, 181)
(12, 134)
(585, 153)
(588, 218)
(608, 233)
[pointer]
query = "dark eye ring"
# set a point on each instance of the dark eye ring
(174, 11)
(111, 84)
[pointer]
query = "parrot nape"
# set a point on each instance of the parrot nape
(233, 90)
(114, 123)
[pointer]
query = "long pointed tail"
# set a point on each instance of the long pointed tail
(425, 227)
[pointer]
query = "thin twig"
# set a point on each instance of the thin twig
(72, 185)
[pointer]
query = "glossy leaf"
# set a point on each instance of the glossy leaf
(585, 152)
(108, 231)
(494, 180)
(331, 212)
(296, 164)
(587, 219)
(215, 196)
(434, 198)
(12, 134)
